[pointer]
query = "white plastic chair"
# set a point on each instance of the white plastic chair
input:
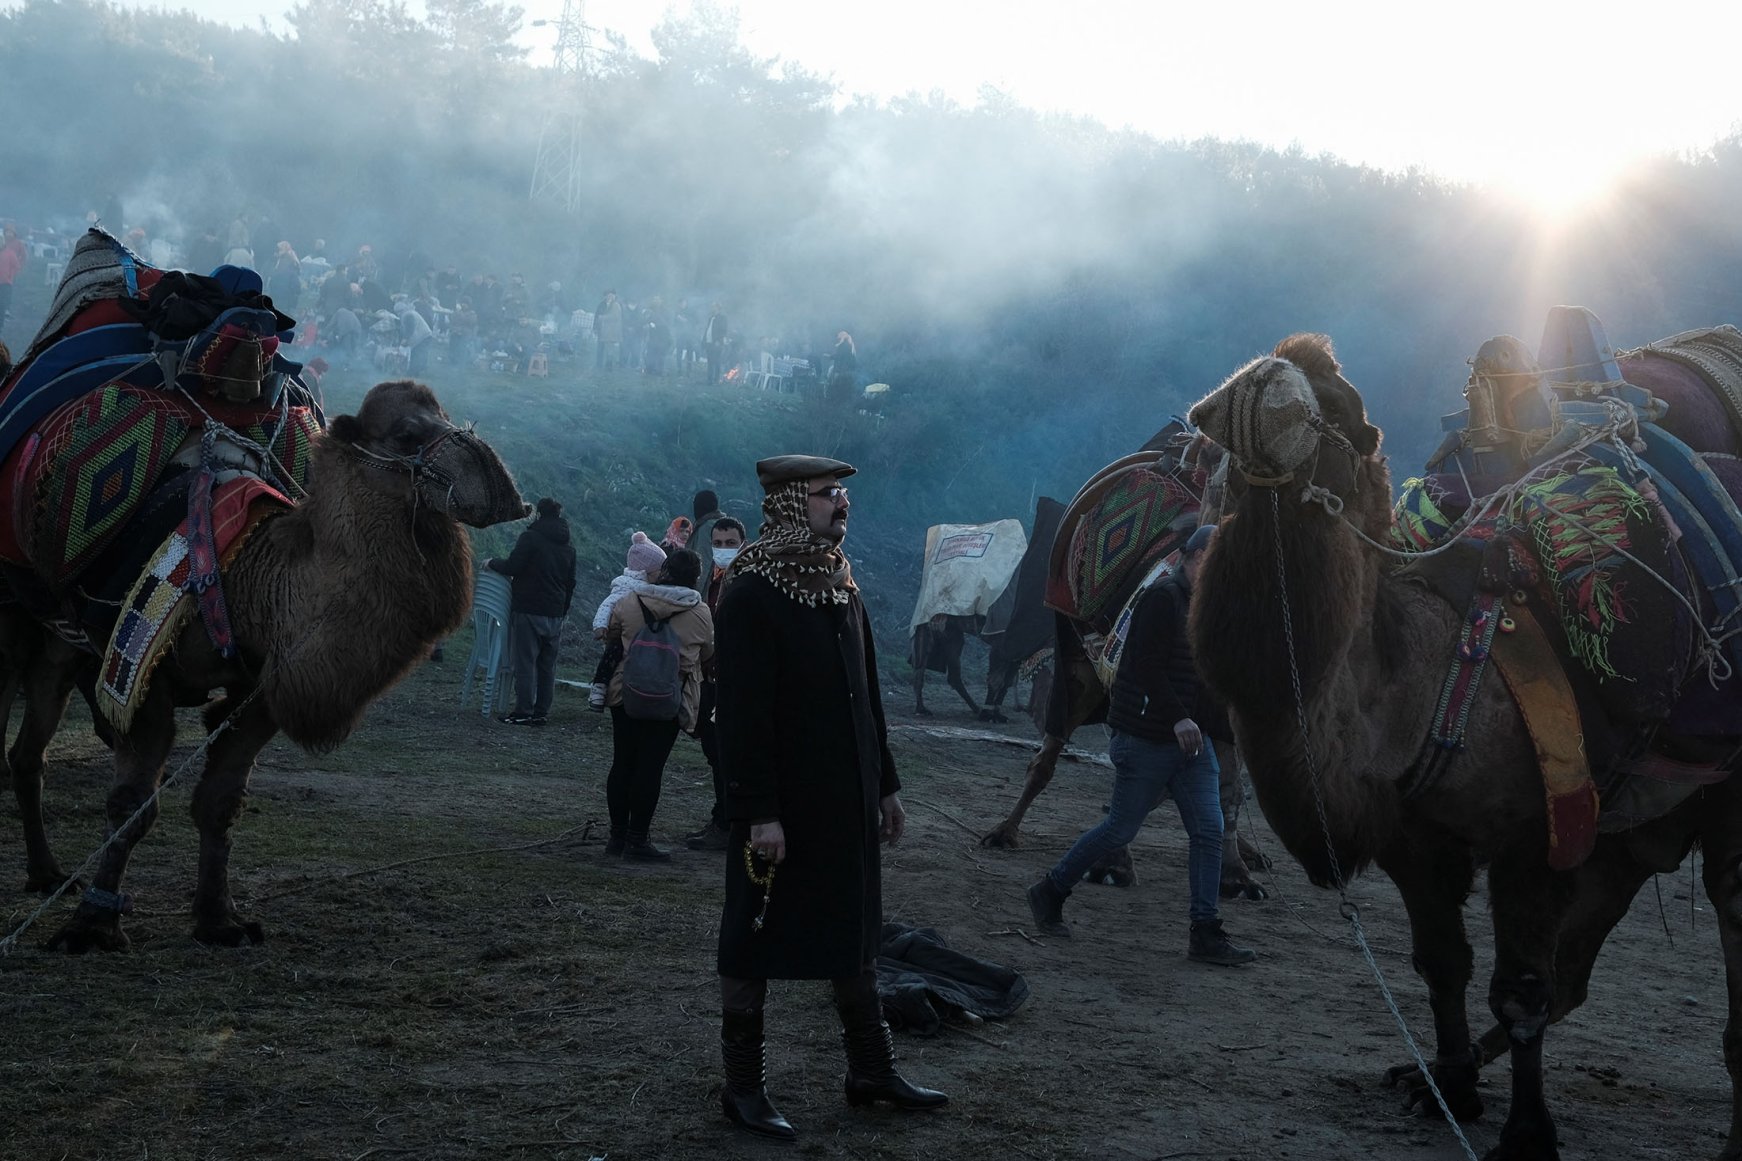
(491, 604)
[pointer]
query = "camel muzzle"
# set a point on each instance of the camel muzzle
(464, 477)
(1268, 418)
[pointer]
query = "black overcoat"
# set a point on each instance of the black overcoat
(802, 740)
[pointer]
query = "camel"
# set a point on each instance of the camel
(938, 644)
(1069, 695)
(1358, 633)
(332, 602)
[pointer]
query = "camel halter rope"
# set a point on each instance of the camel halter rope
(1347, 906)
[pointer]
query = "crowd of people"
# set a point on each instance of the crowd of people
(403, 311)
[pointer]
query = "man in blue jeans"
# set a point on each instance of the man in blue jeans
(1158, 749)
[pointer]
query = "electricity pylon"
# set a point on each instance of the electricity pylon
(556, 171)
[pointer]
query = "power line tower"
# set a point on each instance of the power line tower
(556, 171)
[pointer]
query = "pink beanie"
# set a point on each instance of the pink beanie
(644, 555)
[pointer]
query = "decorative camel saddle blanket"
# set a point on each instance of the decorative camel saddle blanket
(1130, 515)
(170, 589)
(137, 372)
(1580, 515)
(142, 383)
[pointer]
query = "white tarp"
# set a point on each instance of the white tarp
(966, 567)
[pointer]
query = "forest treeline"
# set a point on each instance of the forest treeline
(1041, 291)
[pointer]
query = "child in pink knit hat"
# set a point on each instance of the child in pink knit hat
(640, 566)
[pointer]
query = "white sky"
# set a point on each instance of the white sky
(1546, 98)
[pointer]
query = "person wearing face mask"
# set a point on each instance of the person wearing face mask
(724, 540)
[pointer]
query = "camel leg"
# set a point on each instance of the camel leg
(1040, 771)
(139, 758)
(953, 674)
(921, 648)
(1236, 873)
(1721, 835)
(1530, 904)
(47, 684)
(1434, 885)
(217, 804)
(999, 678)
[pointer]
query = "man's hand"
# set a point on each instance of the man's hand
(1189, 737)
(894, 820)
(768, 841)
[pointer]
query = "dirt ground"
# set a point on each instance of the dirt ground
(430, 991)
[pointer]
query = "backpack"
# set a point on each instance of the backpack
(652, 680)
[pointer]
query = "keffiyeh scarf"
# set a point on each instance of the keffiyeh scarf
(806, 567)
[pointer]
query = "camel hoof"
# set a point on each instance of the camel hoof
(47, 882)
(230, 932)
(1525, 1147)
(1243, 889)
(1457, 1083)
(1112, 875)
(90, 930)
(922, 711)
(1002, 837)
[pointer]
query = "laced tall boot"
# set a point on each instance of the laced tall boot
(744, 1099)
(870, 1046)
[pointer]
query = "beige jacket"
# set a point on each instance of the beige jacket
(690, 620)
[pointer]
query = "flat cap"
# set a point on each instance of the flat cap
(783, 469)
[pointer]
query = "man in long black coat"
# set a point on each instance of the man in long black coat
(810, 790)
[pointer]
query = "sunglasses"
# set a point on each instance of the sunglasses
(832, 492)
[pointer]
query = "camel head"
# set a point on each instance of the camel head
(1291, 418)
(413, 450)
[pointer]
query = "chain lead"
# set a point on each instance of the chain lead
(1347, 907)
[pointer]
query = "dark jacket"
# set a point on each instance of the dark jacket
(543, 567)
(802, 740)
(1157, 682)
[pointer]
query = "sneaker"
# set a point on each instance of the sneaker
(1047, 903)
(1210, 944)
(536, 720)
(596, 698)
(516, 719)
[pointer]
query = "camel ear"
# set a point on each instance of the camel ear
(346, 429)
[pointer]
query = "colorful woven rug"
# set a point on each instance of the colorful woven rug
(161, 601)
(1114, 538)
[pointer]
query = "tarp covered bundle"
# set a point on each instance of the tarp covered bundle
(967, 567)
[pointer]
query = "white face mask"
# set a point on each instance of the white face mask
(723, 557)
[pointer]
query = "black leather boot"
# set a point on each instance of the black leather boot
(870, 1046)
(744, 1099)
(641, 849)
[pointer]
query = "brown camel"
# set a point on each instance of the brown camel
(1370, 647)
(332, 602)
(937, 645)
(1070, 695)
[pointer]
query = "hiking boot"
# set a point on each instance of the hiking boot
(639, 849)
(744, 1099)
(1047, 903)
(616, 842)
(709, 838)
(1210, 944)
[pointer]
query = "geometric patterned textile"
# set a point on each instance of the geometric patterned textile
(161, 600)
(155, 609)
(99, 457)
(1126, 531)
